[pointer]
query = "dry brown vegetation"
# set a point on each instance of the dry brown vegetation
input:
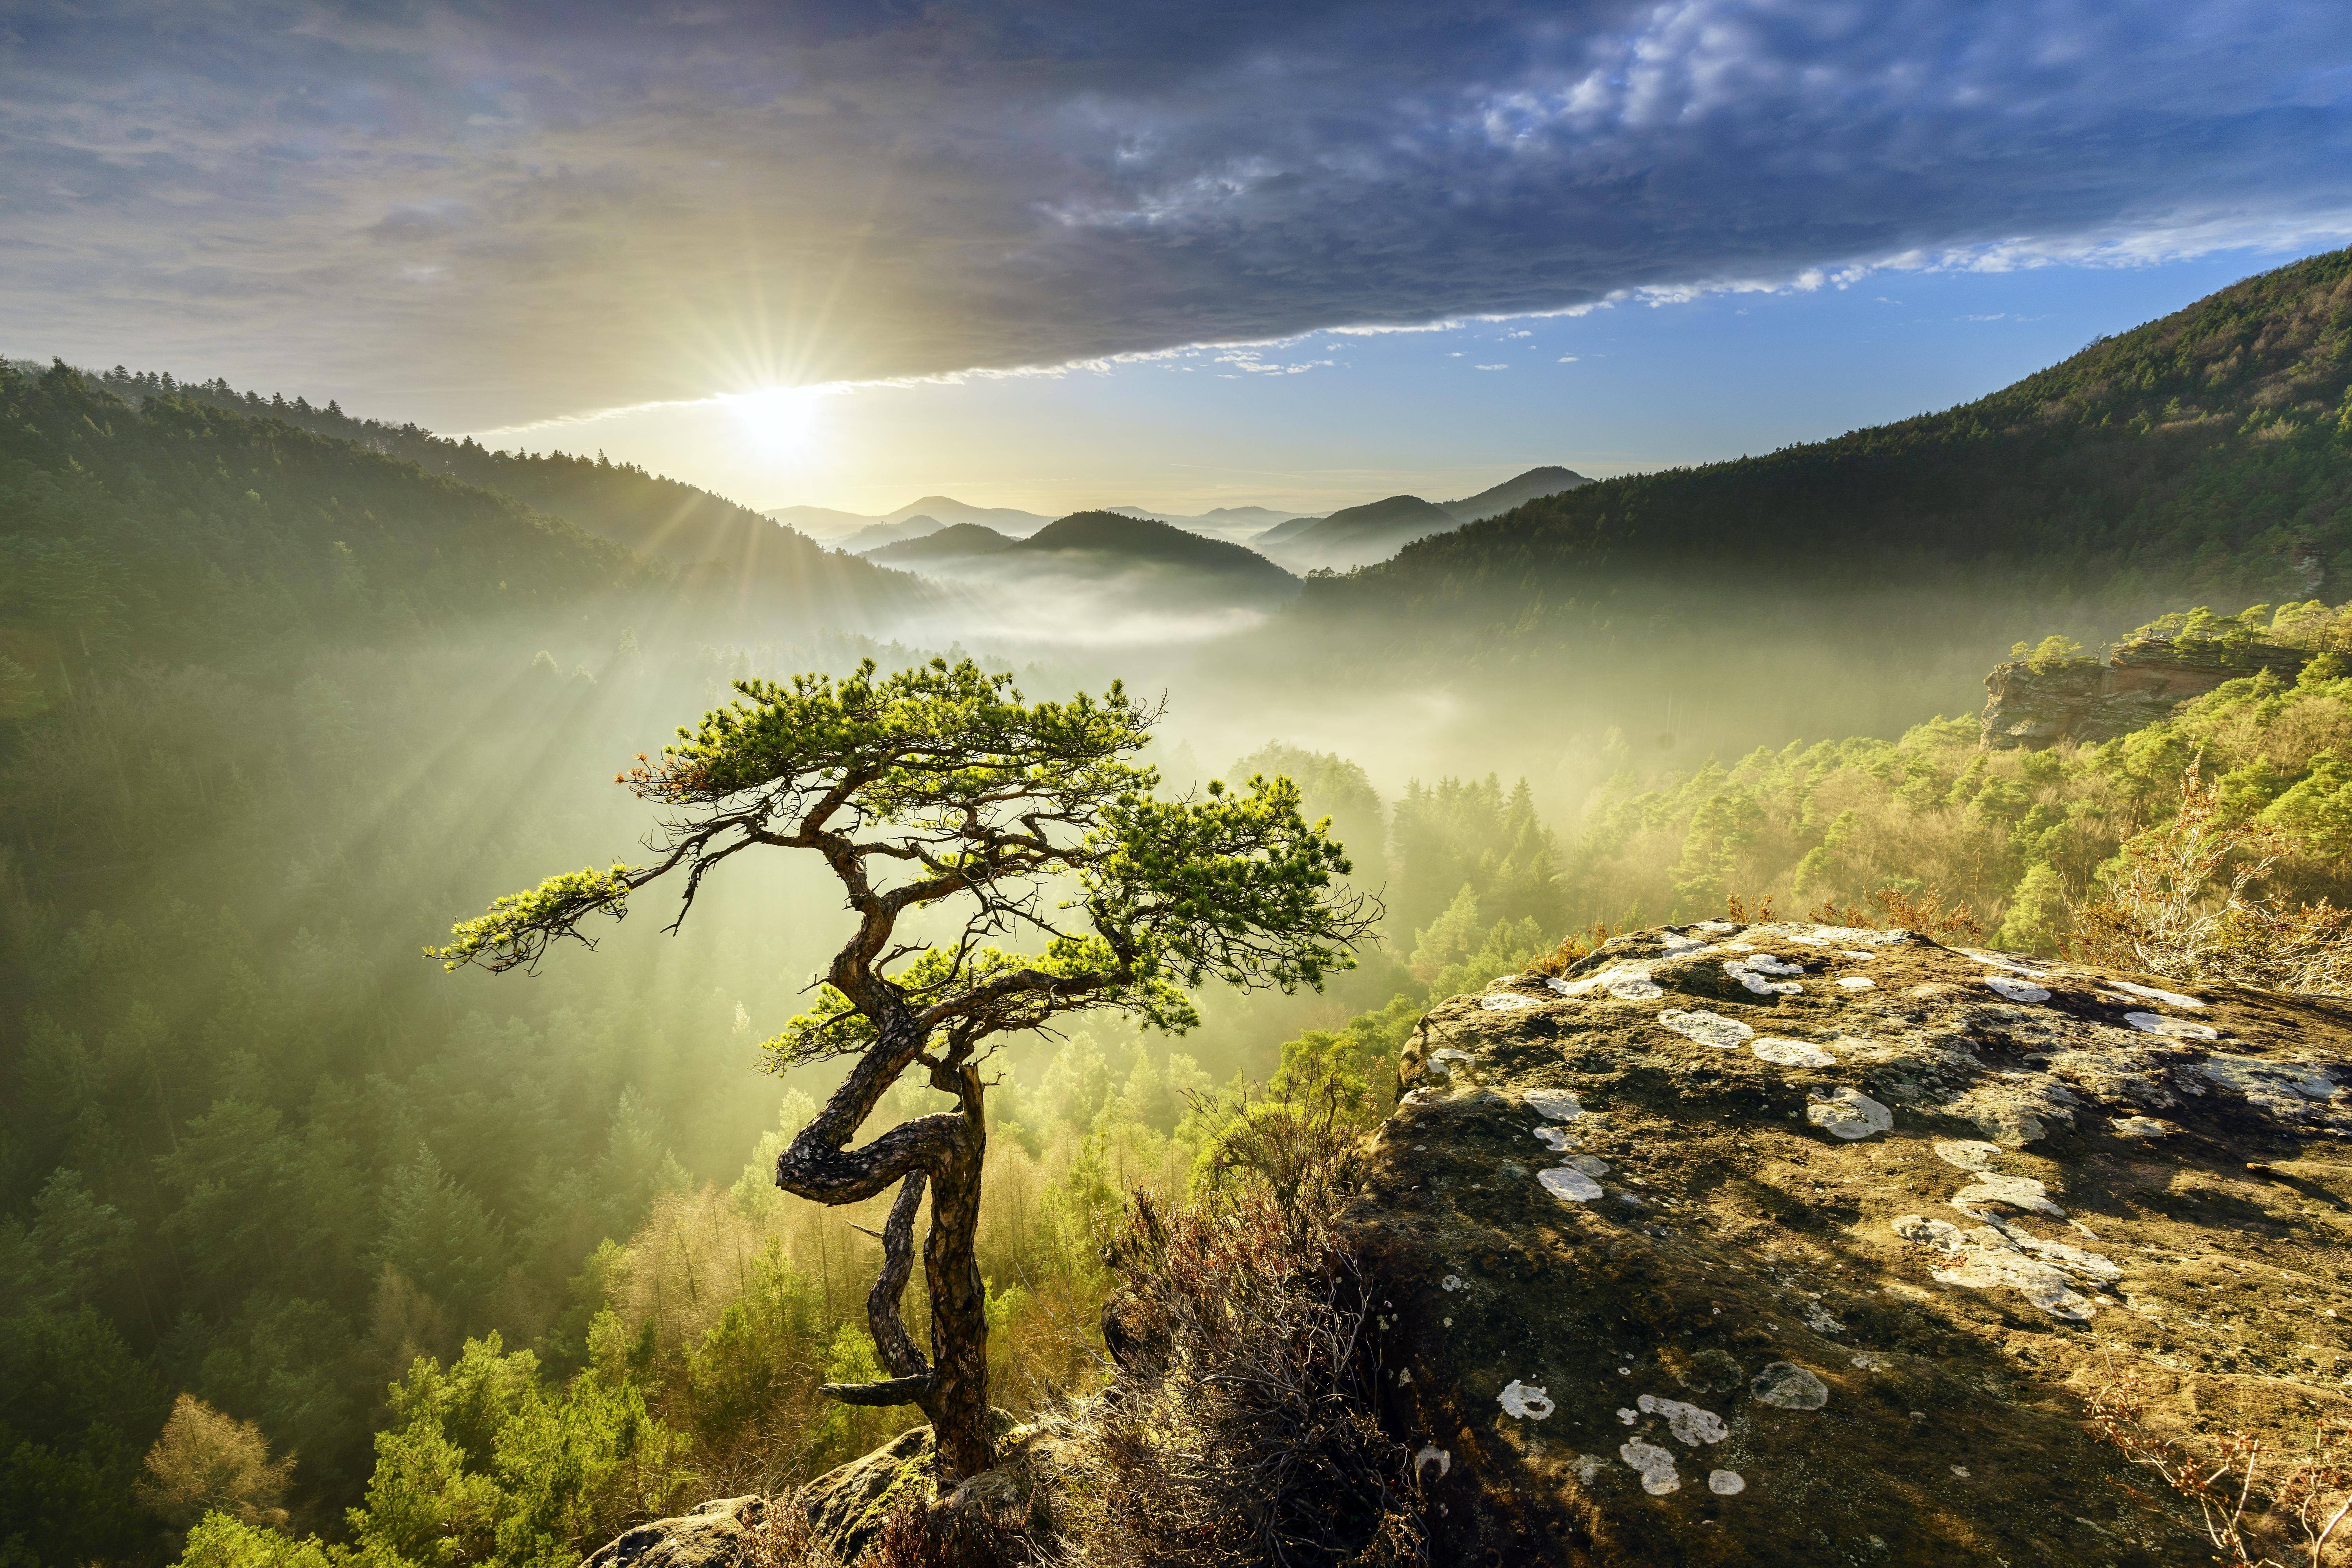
(1240, 1428)
(2190, 899)
(2252, 1504)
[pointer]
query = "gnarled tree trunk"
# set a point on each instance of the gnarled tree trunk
(946, 1151)
(957, 1402)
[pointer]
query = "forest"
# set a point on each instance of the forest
(313, 1254)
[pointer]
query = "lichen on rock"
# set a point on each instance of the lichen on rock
(1810, 1290)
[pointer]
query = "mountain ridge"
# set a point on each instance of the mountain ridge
(694, 529)
(2203, 452)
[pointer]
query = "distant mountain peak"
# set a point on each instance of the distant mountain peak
(1550, 479)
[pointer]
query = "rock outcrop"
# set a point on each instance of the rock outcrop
(2086, 700)
(1792, 1244)
(712, 1536)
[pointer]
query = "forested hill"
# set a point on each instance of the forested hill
(181, 533)
(2206, 454)
(679, 522)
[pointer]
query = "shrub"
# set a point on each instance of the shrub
(2186, 899)
(1241, 1428)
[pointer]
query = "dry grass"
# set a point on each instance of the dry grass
(1922, 910)
(1574, 948)
(1241, 1428)
(783, 1539)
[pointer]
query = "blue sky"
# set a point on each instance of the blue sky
(486, 216)
(1644, 386)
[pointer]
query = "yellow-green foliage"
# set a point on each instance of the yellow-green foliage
(2011, 834)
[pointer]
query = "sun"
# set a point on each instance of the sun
(780, 418)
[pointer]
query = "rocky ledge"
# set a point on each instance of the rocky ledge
(2088, 701)
(1789, 1243)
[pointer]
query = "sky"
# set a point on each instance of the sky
(1175, 256)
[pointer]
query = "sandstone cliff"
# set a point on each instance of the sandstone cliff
(2088, 701)
(1792, 1244)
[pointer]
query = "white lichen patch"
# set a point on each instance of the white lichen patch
(2143, 1127)
(1504, 1001)
(1707, 1029)
(2179, 1028)
(2003, 1256)
(1589, 1164)
(1689, 1424)
(1569, 1186)
(1554, 1139)
(2019, 1192)
(1627, 1414)
(1627, 981)
(1587, 1467)
(1792, 1053)
(1657, 1466)
(1788, 1386)
(1431, 1453)
(1873, 1360)
(1442, 1060)
(1676, 944)
(1968, 1153)
(1849, 1113)
(1557, 1104)
(1857, 982)
(1718, 927)
(1526, 1402)
(2151, 993)
(2017, 990)
(1830, 936)
(2007, 961)
(1454, 1282)
(1725, 1483)
(2275, 1086)
(1856, 957)
(1818, 1319)
(1750, 973)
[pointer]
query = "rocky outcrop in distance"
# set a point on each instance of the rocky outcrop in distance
(2090, 700)
(1795, 1244)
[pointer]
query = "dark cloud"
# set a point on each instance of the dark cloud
(509, 210)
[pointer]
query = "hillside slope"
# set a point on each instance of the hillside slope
(662, 517)
(176, 532)
(950, 544)
(1358, 535)
(2208, 452)
(1116, 541)
(1103, 568)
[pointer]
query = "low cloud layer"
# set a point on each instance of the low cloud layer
(505, 212)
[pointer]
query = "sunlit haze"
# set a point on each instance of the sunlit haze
(1551, 783)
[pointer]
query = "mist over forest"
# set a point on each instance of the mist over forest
(498, 1262)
